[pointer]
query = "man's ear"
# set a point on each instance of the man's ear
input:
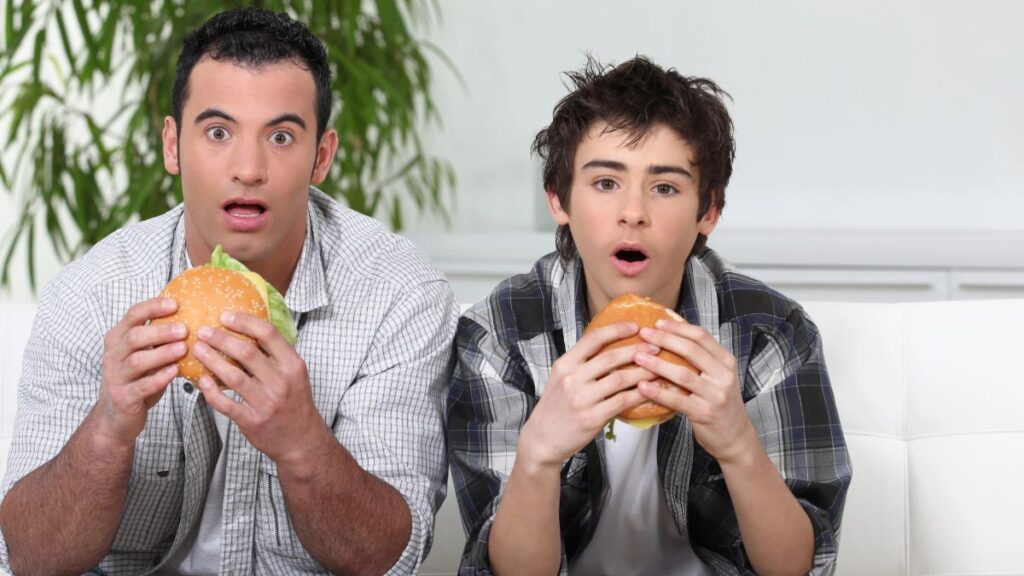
(325, 150)
(170, 137)
(558, 213)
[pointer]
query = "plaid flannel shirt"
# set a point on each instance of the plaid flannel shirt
(506, 344)
(375, 324)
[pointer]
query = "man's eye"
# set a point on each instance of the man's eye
(217, 134)
(606, 184)
(281, 138)
(665, 189)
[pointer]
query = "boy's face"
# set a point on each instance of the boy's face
(633, 213)
(246, 155)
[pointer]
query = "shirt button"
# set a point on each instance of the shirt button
(187, 387)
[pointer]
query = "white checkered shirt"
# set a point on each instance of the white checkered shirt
(375, 323)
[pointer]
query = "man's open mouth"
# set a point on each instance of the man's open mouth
(244, 209)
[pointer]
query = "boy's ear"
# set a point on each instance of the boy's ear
(170, 138)
(559, 214)
(709, 220)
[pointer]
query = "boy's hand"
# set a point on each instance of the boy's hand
(715, 406)
(275, 409)
(139, 361)
(583, 392)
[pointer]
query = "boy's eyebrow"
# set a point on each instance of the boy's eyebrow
(610, 164)
(656, 169)
(217, 113)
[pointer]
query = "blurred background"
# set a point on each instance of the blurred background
(878, 143)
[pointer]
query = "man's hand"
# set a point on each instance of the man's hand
(275, 409)
(139, 361)
(715, 405)
(583, 392)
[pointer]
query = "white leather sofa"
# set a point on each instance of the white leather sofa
(932, 400)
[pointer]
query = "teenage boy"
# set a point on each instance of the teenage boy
(751, 475)
(326, 457)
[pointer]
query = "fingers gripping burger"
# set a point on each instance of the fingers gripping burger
(205, 292)
(645, 313)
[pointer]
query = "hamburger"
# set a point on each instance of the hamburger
(205, 292)
(645, 313)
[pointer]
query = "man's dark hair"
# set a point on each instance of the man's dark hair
(254, 37)
(633, 97)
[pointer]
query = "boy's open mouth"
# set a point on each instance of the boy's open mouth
(631, 255)
(630, 259)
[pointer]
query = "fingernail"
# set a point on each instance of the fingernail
(227, 317)
(647, 331)
(651, 349)
(205, 332)
(200, 349)
(661, 324)
(643, 357)
(170, 370)
(205, 382)
(179, 331)
(167, 304)
(180, 348)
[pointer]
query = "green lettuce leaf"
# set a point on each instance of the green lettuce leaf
(277, 311)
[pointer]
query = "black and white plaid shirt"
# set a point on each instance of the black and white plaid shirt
(506, 344)
(375, 323)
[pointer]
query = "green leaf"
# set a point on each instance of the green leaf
(69, 53)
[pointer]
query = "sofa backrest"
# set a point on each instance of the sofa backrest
(931, 398)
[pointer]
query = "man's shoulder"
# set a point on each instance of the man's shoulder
(138, 250)
(363, 247)
(521, 306)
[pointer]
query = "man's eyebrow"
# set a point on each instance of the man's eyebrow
(610, 164)
(656, 169)
(289, 117)
(213, 113)
(217, 113)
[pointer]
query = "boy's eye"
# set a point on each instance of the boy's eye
(606, 184)
(281, 138)
(217, 134)
(665, 189)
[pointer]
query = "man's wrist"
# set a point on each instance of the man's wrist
(303, 462)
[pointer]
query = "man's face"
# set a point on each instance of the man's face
(633, 213)
(246, 154)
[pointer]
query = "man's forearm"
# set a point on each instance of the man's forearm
(776, 531)
(349, 520)
(62, 517)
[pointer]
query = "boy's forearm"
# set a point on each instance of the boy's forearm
(63, 516)
(525, 537)
(777, 533)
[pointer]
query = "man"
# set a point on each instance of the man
(751, 475)
(325, 457)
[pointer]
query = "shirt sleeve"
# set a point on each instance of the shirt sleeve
(60, 376)
(391, 417)
(489, 401)
(790, 403)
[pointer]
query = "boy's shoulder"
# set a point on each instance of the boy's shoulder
(745, 300)
(523, 306)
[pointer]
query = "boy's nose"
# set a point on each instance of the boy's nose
(633, 211)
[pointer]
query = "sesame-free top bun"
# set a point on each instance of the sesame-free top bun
(645, 313)
(204, 293)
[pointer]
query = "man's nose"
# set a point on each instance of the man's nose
(250, 164)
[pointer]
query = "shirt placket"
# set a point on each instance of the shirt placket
(239, 523)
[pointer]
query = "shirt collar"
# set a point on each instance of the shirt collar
(698, 302)
(308, 289)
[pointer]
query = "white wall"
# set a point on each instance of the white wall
(850, 115)
(856, 114)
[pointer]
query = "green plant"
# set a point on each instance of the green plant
(80, 173)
